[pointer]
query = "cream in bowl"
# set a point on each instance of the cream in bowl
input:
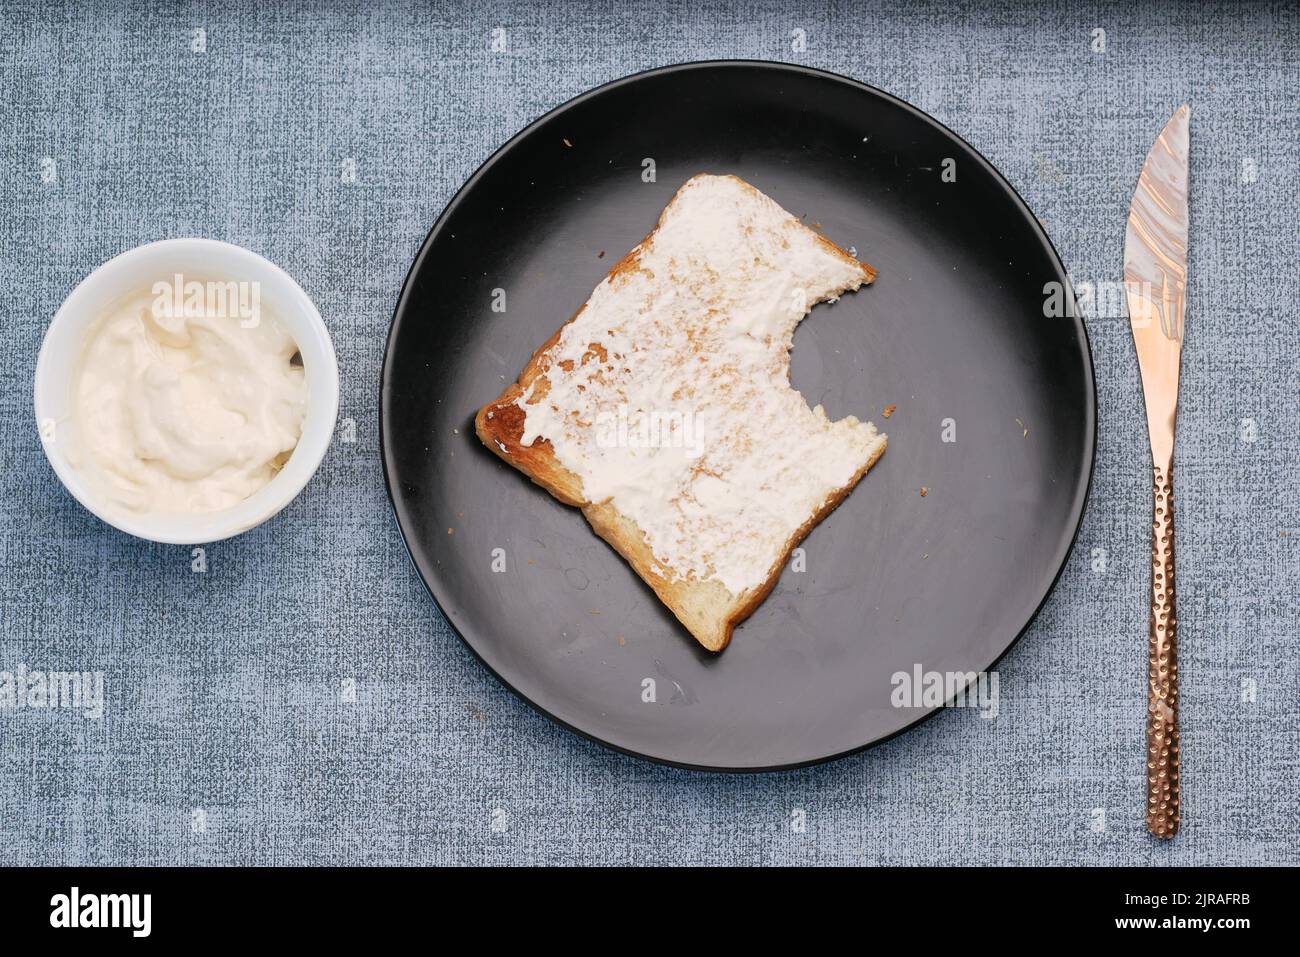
(184, 402)
(186, 391)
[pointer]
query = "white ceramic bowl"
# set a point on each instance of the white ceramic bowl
(139, 269)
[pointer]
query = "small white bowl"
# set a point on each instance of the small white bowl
(139, 269)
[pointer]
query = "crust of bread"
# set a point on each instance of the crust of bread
(708, 610)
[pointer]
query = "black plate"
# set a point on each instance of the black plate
(954, 328)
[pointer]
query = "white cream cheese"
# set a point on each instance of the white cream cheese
(669, 393)
(184, 412)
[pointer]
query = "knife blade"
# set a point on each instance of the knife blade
(1155, 283)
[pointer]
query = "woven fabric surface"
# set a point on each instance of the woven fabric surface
(328, 138)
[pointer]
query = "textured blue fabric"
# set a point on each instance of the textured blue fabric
(227, 734)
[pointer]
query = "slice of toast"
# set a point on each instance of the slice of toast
(663, 409)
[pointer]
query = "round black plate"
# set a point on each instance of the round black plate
(953, 332)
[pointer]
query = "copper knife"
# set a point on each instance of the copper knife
(1155, 281)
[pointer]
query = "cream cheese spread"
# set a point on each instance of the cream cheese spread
(185, 410)
(669, 393)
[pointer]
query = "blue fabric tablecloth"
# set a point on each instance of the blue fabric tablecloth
(303, 701)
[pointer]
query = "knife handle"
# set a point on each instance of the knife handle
(1163, 797)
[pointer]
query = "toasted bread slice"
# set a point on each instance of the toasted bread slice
(663, 409)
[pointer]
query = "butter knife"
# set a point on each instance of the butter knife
(1155, 282)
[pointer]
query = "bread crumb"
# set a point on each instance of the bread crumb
(621, 641)
(1024, 428)
(889, 410)
(924, 491)
(595, 611)
(449, 529)
(567, 143)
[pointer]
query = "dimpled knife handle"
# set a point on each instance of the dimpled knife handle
(1163, 799)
